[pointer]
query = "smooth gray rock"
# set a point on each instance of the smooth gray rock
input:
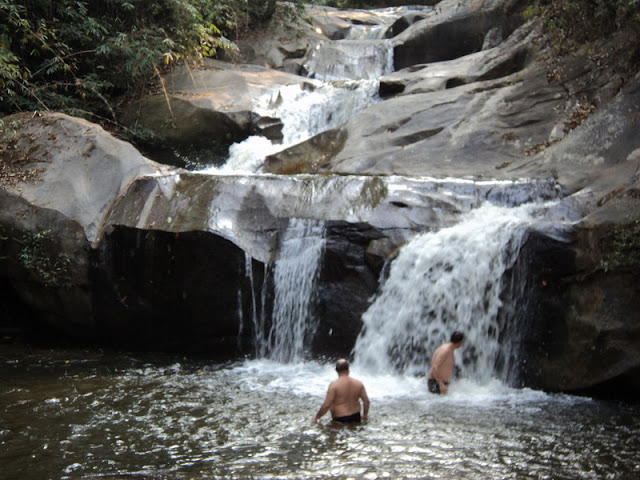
(82, 168)
(205, 110)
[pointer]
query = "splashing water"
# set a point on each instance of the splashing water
(110, 415)
(294, 282)
(440, 282)
(303, 113)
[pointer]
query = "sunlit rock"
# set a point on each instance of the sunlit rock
(201, 111)
(79, 169)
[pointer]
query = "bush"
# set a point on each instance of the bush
(79, 56)
(581, 21)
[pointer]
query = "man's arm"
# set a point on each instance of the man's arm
(365, 402)
(326, 405)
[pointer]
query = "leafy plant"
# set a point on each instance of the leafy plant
(581, 21)
(35, 256)
(623, 248)
(81, 56)
(14, 126)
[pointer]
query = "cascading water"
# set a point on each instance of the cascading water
(351, 59)
(257, 316)
(294, 276)
(345, 82)
(440, 282)
(303, 114)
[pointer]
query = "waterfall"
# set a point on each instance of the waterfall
(257, 316)
(351, 59)
(303, 113)
(344, 77)
(294, 278)
(444, 281)
(367, 32)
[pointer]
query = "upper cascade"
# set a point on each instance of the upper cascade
(351, 60)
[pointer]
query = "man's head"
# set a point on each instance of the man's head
(342, 365)
(457, 337)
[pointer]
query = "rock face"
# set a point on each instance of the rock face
(78, 168)
(101, 243)
(201, 112)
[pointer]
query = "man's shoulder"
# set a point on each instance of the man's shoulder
(446, 347)
(355, 381)
(345, 381)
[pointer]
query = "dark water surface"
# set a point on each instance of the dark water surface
(85, 414)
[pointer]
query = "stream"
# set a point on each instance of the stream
(76, 414)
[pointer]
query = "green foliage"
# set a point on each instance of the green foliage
(79, 56)
(14, 126)
(581, 21)
(52, 270)
(623, 248)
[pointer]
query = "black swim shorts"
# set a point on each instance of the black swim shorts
(349, 418)
(433, 385)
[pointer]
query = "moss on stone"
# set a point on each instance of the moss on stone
(622, 248)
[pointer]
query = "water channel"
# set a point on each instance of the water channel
(70, 413)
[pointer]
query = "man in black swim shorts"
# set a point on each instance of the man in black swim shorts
(442, 364)
(344, 397)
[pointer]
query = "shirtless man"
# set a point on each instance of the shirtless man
(343, 397)
(442, 364)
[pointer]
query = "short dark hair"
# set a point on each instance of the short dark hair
(342, 365)
(457, 337)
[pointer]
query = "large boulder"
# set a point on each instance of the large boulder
(61, 272)
(69, 165)
(453, 29)
(588, 338)
(202, 111)
(585, 291)
(60, 176)
(45, 259)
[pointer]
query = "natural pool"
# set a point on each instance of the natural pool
(95, 414)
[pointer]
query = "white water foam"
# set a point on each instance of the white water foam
(303, 113)
(311, 379)
(440, 282)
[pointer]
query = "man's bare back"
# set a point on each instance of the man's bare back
(346, 393)
(344, 396)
